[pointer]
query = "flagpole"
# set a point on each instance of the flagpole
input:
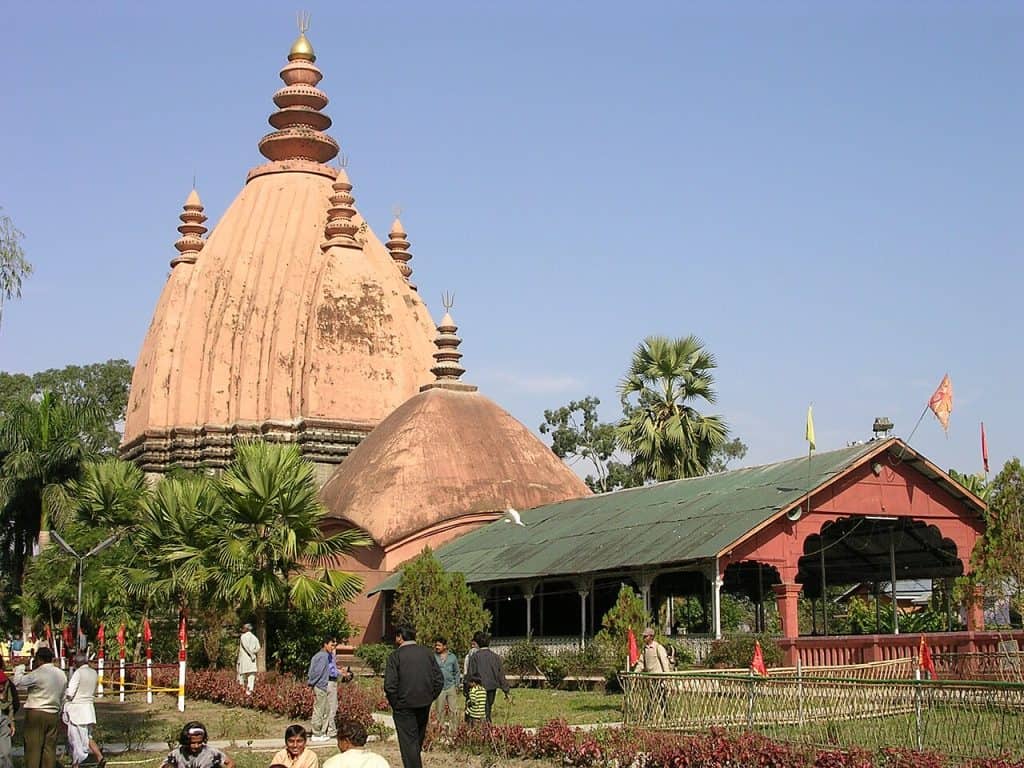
(903, 448)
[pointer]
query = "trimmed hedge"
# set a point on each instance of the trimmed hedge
(652, 749)
(275, 692)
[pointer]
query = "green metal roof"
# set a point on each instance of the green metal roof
(671, 522)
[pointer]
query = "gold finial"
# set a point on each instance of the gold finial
(447, 301)
(302, 48)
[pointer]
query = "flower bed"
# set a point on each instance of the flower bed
(275, 692)
(629, 748)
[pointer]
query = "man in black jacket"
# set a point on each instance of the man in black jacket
(487, 664)
(412, 680)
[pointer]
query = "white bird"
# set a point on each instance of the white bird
(511, 516)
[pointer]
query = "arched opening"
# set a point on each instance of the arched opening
(876, 556)
(753, 581)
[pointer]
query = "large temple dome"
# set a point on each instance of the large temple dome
(292, 322)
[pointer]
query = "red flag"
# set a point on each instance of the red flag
(984, 448)
(941, 402)
(68, 637)
(120, 636)
(925, 662)
(49, 636)
(100, 636)
(147, 633)
(634, 652)
(757, 663)
(182, 634)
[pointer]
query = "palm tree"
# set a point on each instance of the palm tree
(110, 493)
(43, 446)
(272, 552)
(667, 437)
(173, 540)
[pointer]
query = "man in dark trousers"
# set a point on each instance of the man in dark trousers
(412, 680)
(487, 664)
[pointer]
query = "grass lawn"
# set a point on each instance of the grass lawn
(535, 706)
(532, 707)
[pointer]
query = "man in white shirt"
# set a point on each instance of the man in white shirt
(248, 648)
(351, 740)
(45, 685)
(80, 713)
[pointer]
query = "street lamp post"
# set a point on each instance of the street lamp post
(81, 567)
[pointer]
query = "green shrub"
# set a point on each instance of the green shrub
(524, 658)
(297, 635)
(681, 652)
(375, 655)
(556, 668)
(737, 652)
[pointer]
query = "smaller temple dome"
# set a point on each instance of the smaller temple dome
(446, 460)
(441, 456)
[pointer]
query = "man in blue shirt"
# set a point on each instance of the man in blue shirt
(444, 704)
(323, 679)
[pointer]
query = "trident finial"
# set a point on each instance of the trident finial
(396, 210)
(302, 20)
(447, 300)
(343, 160)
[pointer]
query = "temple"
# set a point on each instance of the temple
(292, 322)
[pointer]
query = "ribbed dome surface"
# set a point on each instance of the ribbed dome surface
(444, 454)
(266, 327)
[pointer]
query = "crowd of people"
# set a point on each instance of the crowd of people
(417, 680)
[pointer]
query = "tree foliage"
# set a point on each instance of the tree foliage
(103, 386)
(666, 436)
(438, 603)
(14, 267)
(999, 555)
(270, 549)
(729, 451)
(976, 484)
(43, 445)
(577, 433)
(627, 613)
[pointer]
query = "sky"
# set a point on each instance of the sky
(828, 195)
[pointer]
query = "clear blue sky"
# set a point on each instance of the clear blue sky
(830, 195)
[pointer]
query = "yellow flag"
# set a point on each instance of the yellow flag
(809, 431)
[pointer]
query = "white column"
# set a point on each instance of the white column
(646, 580)
(583, 587)
(716, 600)
(529, 587)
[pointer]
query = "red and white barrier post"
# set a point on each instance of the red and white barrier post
(120, 654)
(147, 636)
(182, 654)
(99, 662)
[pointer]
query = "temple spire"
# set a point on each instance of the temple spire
(398, 247)
(447, 368)
(192, 230)
(299, 122)
(341, 229)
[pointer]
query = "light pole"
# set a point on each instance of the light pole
(81, 566)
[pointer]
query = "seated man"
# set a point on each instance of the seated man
(194, 752)
(351, 740)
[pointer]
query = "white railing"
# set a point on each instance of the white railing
(550, 644)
